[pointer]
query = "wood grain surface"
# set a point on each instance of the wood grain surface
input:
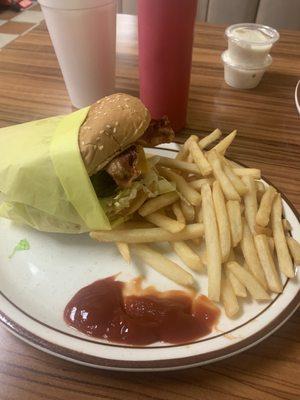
(31, 87)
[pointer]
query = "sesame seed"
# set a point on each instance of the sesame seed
(115, 130)
(117, 123)
(82, 143)
(102, 131)
(100, 147)
(108, 126)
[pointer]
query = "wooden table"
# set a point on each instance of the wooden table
(31, 87)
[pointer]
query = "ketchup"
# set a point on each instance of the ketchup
(103, 310)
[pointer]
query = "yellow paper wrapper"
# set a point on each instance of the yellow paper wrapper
(43, 180)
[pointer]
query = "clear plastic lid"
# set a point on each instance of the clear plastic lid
(259, 35)
(227, 60)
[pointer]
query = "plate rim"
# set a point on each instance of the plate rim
(159, 364)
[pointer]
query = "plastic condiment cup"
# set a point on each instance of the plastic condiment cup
(250, 44)
(241, 77)
(83, 33)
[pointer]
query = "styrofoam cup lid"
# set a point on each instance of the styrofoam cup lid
(74, 4)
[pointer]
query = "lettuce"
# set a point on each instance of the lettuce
(151, 183)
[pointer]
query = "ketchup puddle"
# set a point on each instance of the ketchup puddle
(125, 313)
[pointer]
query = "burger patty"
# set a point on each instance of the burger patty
(125, 168)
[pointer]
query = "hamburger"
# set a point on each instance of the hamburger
(111, 142)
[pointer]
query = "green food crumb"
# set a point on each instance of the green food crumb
(22, 245)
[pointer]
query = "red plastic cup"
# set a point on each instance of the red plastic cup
(166, 30)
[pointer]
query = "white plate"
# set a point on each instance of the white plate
(36, 285)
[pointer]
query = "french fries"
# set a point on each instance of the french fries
(157, 203)
(238, 184)
(189, 193)
(248, 280)
(180, 165)
(294, 247)
(188, 211)
(286, 225)
(284, 259)
(161, 220)
(251, 256)
(192, 231)
(222, 220)
(238, 288)
(223, 145)
(264, 211)
(250, 201)
(235, 221)
(267, 262)
(264, 230)
(190, 258)
(124, 251)
(163, 265)
(184, 151)
(196, 184)
(177, 211)
(228, 298)
(253, 172)
(227, 187)
(213, 248)
(199, 159)
(238, 216)
(207, 140)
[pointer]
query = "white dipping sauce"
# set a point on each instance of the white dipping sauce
(250, 44)
(242, 78)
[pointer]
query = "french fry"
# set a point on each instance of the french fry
(262, 230)
(253, 172)
(124, 251)
(294, 247)
(188, 211)
(178, 212)
(199, 159)
(180, 165)
(222, 220)
(189, 193)
(271, 244)
(131, 224)
(200, 215)
(264, 210)
(223, 145)
(161, 220)
(157, 203)
(267, 262)
(260, 189)
(163, 265)
(227, 187)
(248, 280)
(207, 140)
(213, 248)
(184, 151)
(235, 220)
(190, 258)
(228, 298)
(250, 202)
(286, 225)
(235, 179)
(196, 184)
(251, 256)
(284, 259)
(148, 235)
(238, 288)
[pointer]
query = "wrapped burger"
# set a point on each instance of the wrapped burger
(83, 171)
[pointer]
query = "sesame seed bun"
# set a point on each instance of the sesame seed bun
(112, 125)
